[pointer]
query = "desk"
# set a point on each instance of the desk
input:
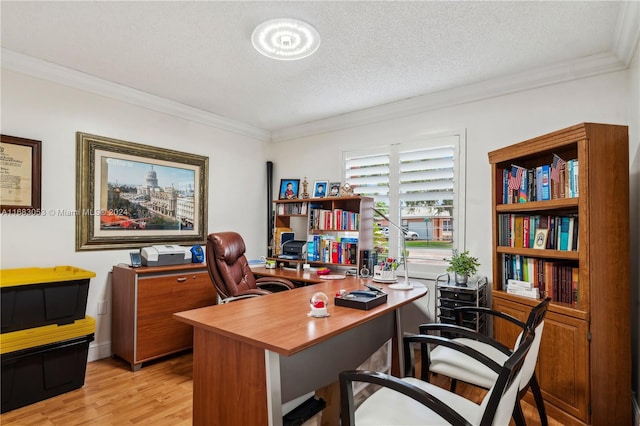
(252, 355)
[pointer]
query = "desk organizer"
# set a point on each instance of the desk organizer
(42, 362)
(358, 302)
(34, 297)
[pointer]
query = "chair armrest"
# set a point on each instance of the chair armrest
(346, 391)
(234, 298)
(275, 281)
(253, 292)
(424, 339)
(489, 311)
(465, 332)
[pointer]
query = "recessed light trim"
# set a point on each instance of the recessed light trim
(285, 39)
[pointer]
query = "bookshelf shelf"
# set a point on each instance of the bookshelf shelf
(584, 353)
(551, 254)
(532, 206)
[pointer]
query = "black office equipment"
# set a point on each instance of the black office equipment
(293, 249)
(361, 299)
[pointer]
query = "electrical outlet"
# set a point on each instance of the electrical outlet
(102, 307)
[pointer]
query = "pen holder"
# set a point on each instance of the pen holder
(381, 274)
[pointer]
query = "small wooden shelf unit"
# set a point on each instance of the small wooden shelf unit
(307, 209)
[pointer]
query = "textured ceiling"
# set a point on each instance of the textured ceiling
(372, 53)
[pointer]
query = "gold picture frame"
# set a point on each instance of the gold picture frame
(133, 195)
(21, 175)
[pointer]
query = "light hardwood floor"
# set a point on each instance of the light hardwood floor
(159, 394)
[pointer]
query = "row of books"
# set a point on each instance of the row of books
(291, 208)
(551, 278)
(331, 249)
(546, 182)
(538, 231)
(337, 219)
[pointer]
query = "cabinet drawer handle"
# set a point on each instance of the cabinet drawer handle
(182, 279)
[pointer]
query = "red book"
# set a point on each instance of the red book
(334, 252)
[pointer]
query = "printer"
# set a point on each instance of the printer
(293, 249)
(162, 255)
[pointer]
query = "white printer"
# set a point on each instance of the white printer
(162, 255)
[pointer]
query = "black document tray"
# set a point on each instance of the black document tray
(364, 303)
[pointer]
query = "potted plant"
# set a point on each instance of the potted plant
(463, 265)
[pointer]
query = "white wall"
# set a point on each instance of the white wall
(51, 113)
(490, 124)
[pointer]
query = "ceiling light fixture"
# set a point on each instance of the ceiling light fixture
(285, 39)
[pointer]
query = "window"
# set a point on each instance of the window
(419, 185)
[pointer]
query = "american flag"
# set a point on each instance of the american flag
(556, 165)
(515, 179)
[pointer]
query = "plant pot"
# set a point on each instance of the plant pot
(461, 280)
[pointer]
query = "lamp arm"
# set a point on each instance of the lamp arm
(404, 243)
(404, 232)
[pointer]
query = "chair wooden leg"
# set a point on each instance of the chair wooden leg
(537, 396)
(518, 415)
(452, 388)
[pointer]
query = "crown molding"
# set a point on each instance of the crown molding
(49, 71)
(531, 79)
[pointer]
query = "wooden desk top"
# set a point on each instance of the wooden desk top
(279, 321)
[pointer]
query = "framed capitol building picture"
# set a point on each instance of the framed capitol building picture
(133, 195)
(21, 175)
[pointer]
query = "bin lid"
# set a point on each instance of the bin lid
(24, 276)
(38, 336)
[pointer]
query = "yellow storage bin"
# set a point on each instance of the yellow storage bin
(34, 297)
(26, 276)
(42, 362)
(38, 336)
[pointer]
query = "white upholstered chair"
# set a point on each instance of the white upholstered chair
(411, 401)
(459, 366)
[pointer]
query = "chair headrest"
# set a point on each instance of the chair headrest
(227, 246)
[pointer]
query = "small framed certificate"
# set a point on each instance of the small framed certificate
(540, 241)
(21, 175)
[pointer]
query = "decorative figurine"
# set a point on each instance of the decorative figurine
(346, 190)
(305, 183)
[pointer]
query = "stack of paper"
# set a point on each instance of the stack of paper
(522, 288)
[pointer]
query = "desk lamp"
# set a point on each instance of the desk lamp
(406, 283)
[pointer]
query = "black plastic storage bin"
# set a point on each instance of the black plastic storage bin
(34, 297)
(43, 362)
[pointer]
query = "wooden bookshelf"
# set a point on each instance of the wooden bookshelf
(584, 365)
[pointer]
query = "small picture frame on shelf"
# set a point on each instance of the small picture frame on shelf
(334, 189)
(289, 189)
(320, 188)
(540, 240)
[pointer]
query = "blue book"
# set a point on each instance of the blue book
(564, 233)
(545, 183)
(538, 183)
(506, 192)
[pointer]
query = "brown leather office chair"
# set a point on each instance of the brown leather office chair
(230, 272)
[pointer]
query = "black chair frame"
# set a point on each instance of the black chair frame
(506, 375)
(536, 316)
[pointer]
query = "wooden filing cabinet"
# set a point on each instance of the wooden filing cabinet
(144, 301)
